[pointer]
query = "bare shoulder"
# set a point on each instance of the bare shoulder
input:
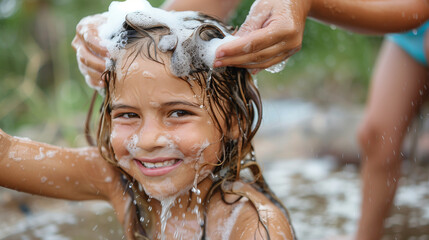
(250, 217)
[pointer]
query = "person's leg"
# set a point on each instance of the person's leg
(397, 90)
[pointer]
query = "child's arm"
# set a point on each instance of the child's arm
(274, 29)
(371, 16)
(221, 9)
(38, 168)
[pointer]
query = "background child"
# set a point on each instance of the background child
(178, 148)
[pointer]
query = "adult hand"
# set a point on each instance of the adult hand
(89, 52)
(272, 32)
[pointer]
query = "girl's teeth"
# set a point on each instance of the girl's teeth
(159, 164)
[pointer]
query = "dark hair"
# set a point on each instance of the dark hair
(229, 91)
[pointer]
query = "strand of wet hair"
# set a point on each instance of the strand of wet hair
(87, 130)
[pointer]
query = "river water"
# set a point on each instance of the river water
(321, 190)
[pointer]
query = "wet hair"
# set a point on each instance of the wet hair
(229, 91)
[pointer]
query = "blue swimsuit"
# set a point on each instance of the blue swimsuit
(412, 42)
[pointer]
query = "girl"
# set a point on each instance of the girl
(179, 158)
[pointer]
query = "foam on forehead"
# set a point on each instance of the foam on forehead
(182, 25)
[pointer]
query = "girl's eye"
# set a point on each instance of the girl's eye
(127, 115)
(179, 113)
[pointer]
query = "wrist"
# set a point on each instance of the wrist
(301, 9)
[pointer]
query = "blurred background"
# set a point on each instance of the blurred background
(306, 144)
(41, 84)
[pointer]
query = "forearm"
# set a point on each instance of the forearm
(221, 9)
(371, 16)
(47, 170)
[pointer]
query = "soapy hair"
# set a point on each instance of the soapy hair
(229, 91)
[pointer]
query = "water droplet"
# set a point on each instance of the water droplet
(43, 179)
(196, 190)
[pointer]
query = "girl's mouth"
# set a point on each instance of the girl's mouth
(160, 164)
(157, 167)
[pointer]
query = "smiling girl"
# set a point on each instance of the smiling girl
(174, 155)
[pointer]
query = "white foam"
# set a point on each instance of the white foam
(41, 155)
(24, 139)
(140, 12)
(51, 153)
(166, 204)
(230, 222)
(108, 179)
(131, 145)
(12, 156)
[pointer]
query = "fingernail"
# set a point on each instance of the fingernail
(220, 54)
(217, 64)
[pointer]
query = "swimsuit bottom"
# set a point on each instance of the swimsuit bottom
(412, 42)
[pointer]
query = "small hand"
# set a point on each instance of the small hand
(272, 32)
(90, 54)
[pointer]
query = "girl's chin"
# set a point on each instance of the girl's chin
(161, 191)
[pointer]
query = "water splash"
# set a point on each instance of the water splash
(277, 67)
(166, 204)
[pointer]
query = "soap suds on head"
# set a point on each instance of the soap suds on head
(181, 24)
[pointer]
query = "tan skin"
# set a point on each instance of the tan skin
(398, 89)
(82, 174)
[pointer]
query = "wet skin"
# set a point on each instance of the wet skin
(156, 117)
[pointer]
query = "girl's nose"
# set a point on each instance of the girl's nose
(150, 135)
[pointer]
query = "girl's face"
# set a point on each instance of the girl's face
(162, 133)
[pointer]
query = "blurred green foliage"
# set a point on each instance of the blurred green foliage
(41, 87)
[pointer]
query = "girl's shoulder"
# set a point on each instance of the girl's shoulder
(252, 216)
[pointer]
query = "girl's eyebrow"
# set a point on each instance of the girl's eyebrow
(166, 104)
(186, 103)
(119, 106)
